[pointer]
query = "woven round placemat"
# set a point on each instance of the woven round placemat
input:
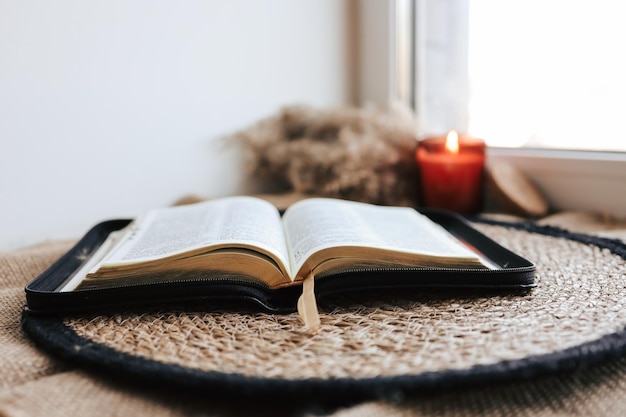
(576, 316)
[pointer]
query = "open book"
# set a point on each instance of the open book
(243, 248)
(247, 238)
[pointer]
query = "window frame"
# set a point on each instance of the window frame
(570, 180)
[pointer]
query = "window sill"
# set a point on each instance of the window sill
(573, 180)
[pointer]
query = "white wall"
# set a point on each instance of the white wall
(108, 108)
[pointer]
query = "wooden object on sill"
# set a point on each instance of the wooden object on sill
(281, 201)
(189, 199)
(514, 192)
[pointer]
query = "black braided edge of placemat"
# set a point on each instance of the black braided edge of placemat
(52, 335)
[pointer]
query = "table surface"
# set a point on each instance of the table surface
(33, 383)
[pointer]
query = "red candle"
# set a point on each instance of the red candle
(452, 170)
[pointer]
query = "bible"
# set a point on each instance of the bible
(243, 247)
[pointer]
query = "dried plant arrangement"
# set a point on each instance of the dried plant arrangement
(358, 154)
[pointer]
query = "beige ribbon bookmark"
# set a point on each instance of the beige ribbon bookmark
(307, 305)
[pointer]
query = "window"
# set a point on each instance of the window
(547, 73)
(524, 75)
(535, 73)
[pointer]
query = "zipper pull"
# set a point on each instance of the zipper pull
(307, 304)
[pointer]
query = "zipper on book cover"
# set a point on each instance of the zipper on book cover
(235, 282)
(476, 271)
(492, 275)
(307, 302)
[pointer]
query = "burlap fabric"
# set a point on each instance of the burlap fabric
(35, 384)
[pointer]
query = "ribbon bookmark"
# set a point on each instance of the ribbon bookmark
(307, 305)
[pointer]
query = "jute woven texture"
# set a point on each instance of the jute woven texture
(581, 296)
(32, 383)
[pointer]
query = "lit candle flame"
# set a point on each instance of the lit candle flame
(452, 142)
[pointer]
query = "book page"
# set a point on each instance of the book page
(316, 224)
(232, 220)
(109, 244)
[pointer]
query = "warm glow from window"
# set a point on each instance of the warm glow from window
(548, 73)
